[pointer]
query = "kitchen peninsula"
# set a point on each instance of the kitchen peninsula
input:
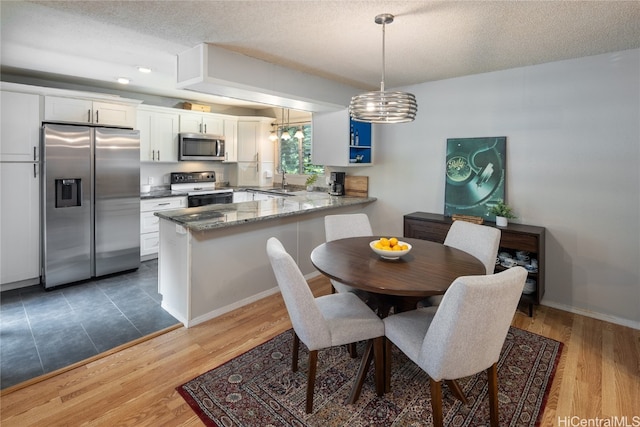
(212, 259)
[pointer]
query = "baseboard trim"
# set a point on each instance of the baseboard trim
(227, 308)
(19, 284)
(593, 314)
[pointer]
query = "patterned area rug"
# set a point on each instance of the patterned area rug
(258, 388)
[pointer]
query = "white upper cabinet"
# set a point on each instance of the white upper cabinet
(20, 130)
(231, 140)
(339, 141)
(255, 152)
(201, 123)
(79, 110)
(158, 134)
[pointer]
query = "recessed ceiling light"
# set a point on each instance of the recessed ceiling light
(123, 80)
(144, 69)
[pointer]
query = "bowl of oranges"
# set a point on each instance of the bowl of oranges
(390, 248)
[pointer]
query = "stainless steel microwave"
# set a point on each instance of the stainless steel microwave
(200, 146)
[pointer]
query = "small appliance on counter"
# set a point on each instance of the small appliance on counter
(336, 183)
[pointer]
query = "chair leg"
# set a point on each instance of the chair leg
(294, 352)
(378, 353)
(456, 390)
(362, 373)
(436, 402)
(387, 365)
(311, 379)
(353, 351)
(492, 372)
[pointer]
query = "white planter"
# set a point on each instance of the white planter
(309, 187)
(501, 221)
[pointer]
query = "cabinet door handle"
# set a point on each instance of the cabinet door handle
(89, 116)
(164, 204)
(205, 128)
(35, 170)
(153, 154)
(158, 155)
(97, 117)
(34, 154)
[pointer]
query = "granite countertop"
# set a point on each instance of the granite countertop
(160, 192)
(225, 215)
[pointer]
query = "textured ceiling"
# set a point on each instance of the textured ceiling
(429, 40)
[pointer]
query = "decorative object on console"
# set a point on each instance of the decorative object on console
(383, 106)
(503, 213)
(475, 174)
(468, 218)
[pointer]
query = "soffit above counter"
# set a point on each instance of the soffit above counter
(211, 69)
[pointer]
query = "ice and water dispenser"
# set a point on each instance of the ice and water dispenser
(68, 192)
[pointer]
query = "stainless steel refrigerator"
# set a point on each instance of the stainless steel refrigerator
(90, 202)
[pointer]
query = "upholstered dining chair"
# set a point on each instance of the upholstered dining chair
(461, 337)
(343, 226)
(326, 321)
(481, 241)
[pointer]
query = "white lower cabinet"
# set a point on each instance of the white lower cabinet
(149, 228)
(19, 222)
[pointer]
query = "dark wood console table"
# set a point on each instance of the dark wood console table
(515, 237)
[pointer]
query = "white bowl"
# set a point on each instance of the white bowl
(389, 254)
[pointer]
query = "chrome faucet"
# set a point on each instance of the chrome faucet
(284, 178)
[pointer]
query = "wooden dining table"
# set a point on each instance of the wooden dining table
(427, 270)
(399, 284)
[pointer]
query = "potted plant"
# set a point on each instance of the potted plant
(311, 179)
(503, 213)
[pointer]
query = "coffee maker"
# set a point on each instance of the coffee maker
(336, 183)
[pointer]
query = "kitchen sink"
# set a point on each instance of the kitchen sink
(282, 191)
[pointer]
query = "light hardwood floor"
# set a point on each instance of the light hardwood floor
(598, 375)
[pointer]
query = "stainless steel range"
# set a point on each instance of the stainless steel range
(201, 188)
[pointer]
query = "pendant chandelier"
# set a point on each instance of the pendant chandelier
(285, 130)
(383, 106)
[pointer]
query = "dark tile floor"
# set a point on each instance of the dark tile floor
(41, 331)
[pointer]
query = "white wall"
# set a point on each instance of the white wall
(573, 160)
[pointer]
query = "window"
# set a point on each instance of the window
(295, 153)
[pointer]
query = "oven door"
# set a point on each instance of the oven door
(209, 199)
